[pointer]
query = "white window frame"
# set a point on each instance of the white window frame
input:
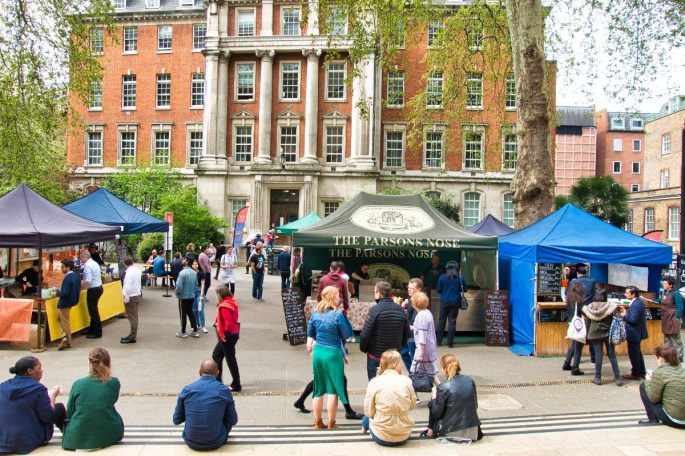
(327, 96)
(251, 144)
(613, 167)
(664, 178)
(639, 167)
(245, 11)
(618, 144)
(510, 93)
(151, 3)
(197, 80)
(299, 19)
(473, 130)
(193, 128)
(639, 145)
(186, 2)
(119, 4)
(665, 144)
(133, 40)
(163, 91)
(673, 223)
(282, 81)
(474, 91)
(199, 38)
(94, 129)
(435, 90)
(160, 128)
(637, 124)
(507, 198)
(131, 83)
(430, 136)
(96, 40)
(327, 144)
(478, 217)
(161, 40)
(236, 205)
(507, 133)
(329, 206)
(618, 122)
(635, 187)
(237, 77)
(629, 223)
(395, 86)
(649, 219)
(281, 146)
(395, 128)
(127, 129)
(435, 26)
(333, 22)
(95, 98)
(475, 37)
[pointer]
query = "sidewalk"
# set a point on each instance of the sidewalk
(528, 405)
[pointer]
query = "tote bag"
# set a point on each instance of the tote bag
(576, 328)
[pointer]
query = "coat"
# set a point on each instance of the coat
(455, 406)
(336, 280)
(70, 291)
(26, 417)
(389, 400)
(600, 315)
(385, 327)
(186, 284)
(93, 420)
(636, 321)
(667, 387)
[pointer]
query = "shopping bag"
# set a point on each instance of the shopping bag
(576, 328)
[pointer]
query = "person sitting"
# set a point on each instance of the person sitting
(207, 408)
(28, 279)
(93, 421)
(159, 268)
(453, 410)
(29, 411)
(176, 268)
(663, 394)
(388, 403)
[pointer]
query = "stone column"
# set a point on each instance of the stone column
(307, 194)
(265, 99)
(365, 160)
(311, 116)
(209, 122)
(313, 18)
(267, 18)
(257, 208)
(222, 107)
(358, 122)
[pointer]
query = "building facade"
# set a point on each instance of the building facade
(250, 101)
(575, 146)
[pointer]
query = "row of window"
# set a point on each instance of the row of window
(121, 4)
(673, 222)
(435, 87)
(130, 38)
(620, 122)
(617, 167)
(129, 92)
(618, 145)
(473, 212)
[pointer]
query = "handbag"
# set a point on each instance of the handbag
(576, 328)
(617, 330)
(464, 302)
(422, 383)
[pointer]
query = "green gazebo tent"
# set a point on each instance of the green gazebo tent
(304, 222)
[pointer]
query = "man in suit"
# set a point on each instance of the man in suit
(636, 332)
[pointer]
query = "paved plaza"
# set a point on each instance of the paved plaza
(528, 406)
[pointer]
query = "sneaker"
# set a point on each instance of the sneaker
(205, 330)
(618, 381)
(418, 401)
(260, 300)
(182, 335)
(597, 381)
(196, 334)
(577, 371)
(351, 340)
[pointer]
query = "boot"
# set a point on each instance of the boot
(319, 424)
(331, 424)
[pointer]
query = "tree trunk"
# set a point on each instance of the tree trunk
(533, 184)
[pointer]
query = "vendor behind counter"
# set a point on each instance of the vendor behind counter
(28, 279)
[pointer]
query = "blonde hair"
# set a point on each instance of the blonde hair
(449, 365)
(328, 299)
(419, 301)
(389, 360)
(100, 364)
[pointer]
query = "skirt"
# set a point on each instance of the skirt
(329, 372)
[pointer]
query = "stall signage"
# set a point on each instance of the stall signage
(391, 242)
(392, 219)
(294, 316)
(169, 218)
(497, 318)
(549, 278)
(380, 254)
(681, 270)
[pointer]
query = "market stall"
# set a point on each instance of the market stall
(491, 226)
(569, 235)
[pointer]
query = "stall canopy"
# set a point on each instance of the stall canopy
(304, 222)
(390, 222)
(29, 220)
(491, 226)
(568, 235)
(103, 207)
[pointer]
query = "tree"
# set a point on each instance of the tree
(602, 197)
(144, 188)
(38, 42)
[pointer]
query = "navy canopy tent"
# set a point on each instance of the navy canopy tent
(103, 207)
(568, 235)
(491, 226)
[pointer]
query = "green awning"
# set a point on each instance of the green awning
(292, 227)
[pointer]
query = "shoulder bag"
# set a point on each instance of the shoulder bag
(464, 302)
(576, 328)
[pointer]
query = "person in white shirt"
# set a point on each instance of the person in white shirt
(92, 281)
(132, 296)
(227, 265)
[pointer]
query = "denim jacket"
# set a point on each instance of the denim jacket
(330, 329)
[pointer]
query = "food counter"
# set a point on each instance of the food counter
(357, 313)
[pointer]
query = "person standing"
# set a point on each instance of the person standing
(334, 278)
(69, 295)
(227, 265)
(176, 268)
(357, 276)
(450, 286)
(672, 316)
(206, 267)
(93, 249)
(386, 328)
(228, 332)
(200, 299)
(284, 267)
(575, 351)
(426, 356)
(600, 314)
(220, 252)
(185, 292)
(256, 263)
(249, 249)
(92, 281)
(432, 272)
(132, 296)
(413, 287)
(208, 410)
(636, 332)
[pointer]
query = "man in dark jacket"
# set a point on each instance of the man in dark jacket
(284, 267)
(221, 251)
(207, 408)
(333, 278)
(636, 332)
(69, 295)
(176, 268)
(385, 328)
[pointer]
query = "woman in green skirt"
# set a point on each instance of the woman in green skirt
(328, 329)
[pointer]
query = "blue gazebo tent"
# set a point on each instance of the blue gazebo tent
(103, 207)
(568, 235)
(491, 226)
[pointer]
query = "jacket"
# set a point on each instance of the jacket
(284, 262)
(207, 408)
(636, 324)
(186, 284)
(93, 420)
(667, 387)
(455, 406)
(70, 291)
(26, 418)
(600, 315)
(336, 280)
(450, 289)
(389, 400)
(385, 327)
(227, 318)
(159, 266)
(330, 329)
(176, 267)
(590, 284)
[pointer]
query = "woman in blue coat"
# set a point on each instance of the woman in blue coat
(29, 412)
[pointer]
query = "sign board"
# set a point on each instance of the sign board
(294, 316)
(680, 268)
(169, 218)
(497, 318)
(549, 279)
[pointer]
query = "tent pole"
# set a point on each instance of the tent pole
(535, 303)
(39, 343)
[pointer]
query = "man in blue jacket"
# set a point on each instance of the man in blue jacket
(636, 332)
(69, 295)
(207, 408)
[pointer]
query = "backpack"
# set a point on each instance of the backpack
(617, 331)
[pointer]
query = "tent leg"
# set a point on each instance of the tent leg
(40, 347)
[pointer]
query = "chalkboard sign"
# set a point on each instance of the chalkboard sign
(549, 279)
(272, 261)
(497, 318)
(294, 316)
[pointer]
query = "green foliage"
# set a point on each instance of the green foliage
(602, 197)
(560, 201)
(150, 242)
(144, 188)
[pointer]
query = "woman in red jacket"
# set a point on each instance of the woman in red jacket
(228, 331)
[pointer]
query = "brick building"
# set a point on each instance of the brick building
(241, 98)
(575, 146)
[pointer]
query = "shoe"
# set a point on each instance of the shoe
(577, 371)
(332, 425)
(597, 381)
(93, 336)
(182, 335)
(205, 330)
(629, 377)
(319, 424)
(418, 401)
(424, 435)
(592, 360)
(648, 421)
(618, 381)
(301, 407)
(566, 367)
(196, 334)
(63, 344)
(354, 416)
(351, 340)
(127, 340)
(260, 300)
(236, 389)
(450, 345)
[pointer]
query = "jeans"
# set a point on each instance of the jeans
(574, 353)
(226, 350)
(599, 354)
(92, 298)
(674, 340)
(656, 411)
(257, 285)
(366, 425)
(208, 282)
(285, 279)
(372, 366)
(449, 312)
(408, 353)
(199, 308)
(187, 314)
(637, 361)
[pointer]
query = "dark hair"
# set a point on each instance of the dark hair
(632, 289)
(576, 293)
(581, 268)
(670, 280)
(335, 266)
(364, 263)
(384, 289)
(36, 262)
(297, 250)
(203, 248)
(600, 295)
(223, 292)
(22, 366)
(68, 264)
(128, 261)
(668, 353)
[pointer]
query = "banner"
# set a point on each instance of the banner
(239, 226)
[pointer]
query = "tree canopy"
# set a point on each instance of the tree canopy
(602, 197)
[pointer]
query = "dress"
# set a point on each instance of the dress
(424, 333)
(330, 330)
(94, 422)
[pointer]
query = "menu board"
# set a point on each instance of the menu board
(294, 316)
(549, 279)
(497, 318)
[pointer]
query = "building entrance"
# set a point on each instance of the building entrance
(285, 205)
